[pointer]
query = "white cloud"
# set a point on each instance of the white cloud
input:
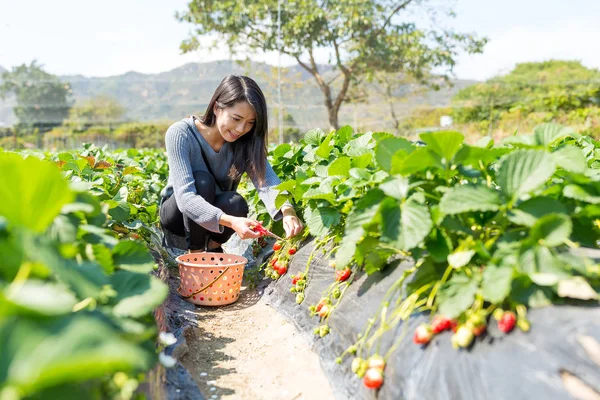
(574, 40)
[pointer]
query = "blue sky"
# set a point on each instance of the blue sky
(110, 37)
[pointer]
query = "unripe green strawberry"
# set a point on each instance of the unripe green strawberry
(352, 349)
(317, 330)
(498, 312)
(324, 330)
(299, 298)
(293, 289)
(336, 293)
(523, 325)
(477, 319)
(362, 369)
(275, 275)
(356, 364)
(464, 336)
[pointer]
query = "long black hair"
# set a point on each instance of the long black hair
(249, 151)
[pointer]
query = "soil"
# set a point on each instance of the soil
(248, 351)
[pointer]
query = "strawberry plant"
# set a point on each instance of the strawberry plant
(489, 227)
(76, 294)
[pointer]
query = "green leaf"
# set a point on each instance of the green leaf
(360, 174)
(583, 193)
(325, 147)
(523, 171)
(496, 283)
(42, 298)
(132, 256)
(542, 266)
(444, 143)
(287, 186)
(320, 220)
(407, 225)
(281, 150)
(463, 198)
(386, 148)
(85, 279)
(103, 256)
(340, 167)
(550, 133)
(577, 288)
(314, 137)
(359, 146)
(372, 256)
(525, 292)
(419, 160)
(528, 212)
(344, 134)
(363, 161)
(32, 191)
(39, 354)
(460, 258)
(551, 230)
(439, 245)
(362, 214)
(137, 294)
(456, 295)
(570, 158)
(396, 187)
(324, 192)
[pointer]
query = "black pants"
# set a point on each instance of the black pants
(231, 203)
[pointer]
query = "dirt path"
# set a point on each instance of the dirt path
(248, 351)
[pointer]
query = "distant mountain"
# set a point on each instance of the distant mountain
(186, 90)
(2, 69)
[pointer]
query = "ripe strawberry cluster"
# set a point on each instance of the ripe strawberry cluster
(369, 370)
(474, 325)
(278, 265)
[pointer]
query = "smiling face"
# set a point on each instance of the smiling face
(235, 121)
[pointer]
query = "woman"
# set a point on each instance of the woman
(200, 208)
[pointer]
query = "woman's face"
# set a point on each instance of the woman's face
(235, 121)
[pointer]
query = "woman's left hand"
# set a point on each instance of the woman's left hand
(291, 222)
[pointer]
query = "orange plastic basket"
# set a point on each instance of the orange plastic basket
(210, 279)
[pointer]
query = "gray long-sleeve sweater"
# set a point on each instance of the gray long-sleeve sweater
(185, 158)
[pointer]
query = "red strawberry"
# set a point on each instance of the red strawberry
(323, 311)
(295, 279)
(423, 334)
(454, 325)
(282, 269)
(507, 322)
(342, 275)
(373, 378)
(440, 323)
(479, 330)
(292, 251)
(277, 246)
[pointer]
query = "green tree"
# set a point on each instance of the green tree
(363, 37)
(43, 101)
(100, 110)
(553, 86)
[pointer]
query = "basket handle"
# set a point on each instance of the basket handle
(179, 289)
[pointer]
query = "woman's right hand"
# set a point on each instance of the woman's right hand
(244, 227)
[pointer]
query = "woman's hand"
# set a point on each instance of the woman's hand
(291, 222)
(241, 226)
